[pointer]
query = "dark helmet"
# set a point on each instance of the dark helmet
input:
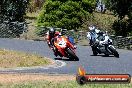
(62, 27)
(52, 31)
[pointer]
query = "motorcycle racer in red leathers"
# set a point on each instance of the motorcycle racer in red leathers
(50, 39)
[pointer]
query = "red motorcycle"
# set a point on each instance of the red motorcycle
(65, 48)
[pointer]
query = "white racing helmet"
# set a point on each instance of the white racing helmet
(92, 28)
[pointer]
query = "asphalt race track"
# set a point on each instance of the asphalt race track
(92, 64)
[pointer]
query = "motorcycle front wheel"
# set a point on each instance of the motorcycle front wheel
(72, 55)
(113, 50)
(94, 51)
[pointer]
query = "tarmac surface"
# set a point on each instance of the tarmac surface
(92, 64)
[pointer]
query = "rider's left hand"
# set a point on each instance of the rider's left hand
(102, 42)
(75, 47)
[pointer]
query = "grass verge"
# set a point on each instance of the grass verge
(11, 59)
(49, 81)
(63, 84)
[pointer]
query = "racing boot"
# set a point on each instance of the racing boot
(55, 52)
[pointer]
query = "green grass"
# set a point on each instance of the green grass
(9, 59)
(65, 84)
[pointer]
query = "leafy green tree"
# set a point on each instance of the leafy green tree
(13, 11)
(123, 10)
(65, 13)
(120, 7)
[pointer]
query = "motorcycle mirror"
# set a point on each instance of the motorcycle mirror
(48, 27)
(63, 29)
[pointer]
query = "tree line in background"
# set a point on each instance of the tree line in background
(123, 10)
(69, 14)
(11, 14)
(13, 10)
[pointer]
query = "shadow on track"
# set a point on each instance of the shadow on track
(102, 55)
(64, 59)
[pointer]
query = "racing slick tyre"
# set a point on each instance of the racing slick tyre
(94, 51)
(106, 55)
(114, 51)
(72, 55)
